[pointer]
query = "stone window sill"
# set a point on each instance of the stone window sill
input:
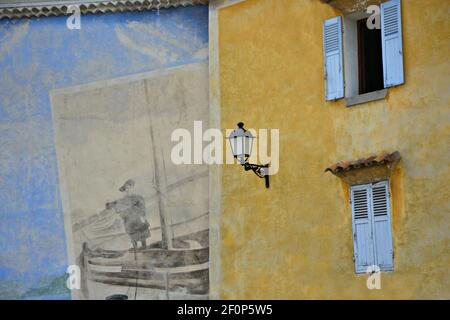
(364, 98)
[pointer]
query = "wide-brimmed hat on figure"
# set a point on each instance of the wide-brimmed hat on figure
(128, 183)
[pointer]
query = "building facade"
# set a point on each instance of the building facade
(358, 201)
(289, 65)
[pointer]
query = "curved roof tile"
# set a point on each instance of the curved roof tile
(32, 8)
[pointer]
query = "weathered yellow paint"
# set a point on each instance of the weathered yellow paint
(294, 240)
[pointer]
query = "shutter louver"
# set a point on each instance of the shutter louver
(361, 209)
(379, 196)
(391, 36)
(332, 48)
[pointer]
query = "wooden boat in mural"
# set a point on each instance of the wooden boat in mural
(152, 268)
(173, 270)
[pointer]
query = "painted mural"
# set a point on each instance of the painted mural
(136, 224)
(38, 56)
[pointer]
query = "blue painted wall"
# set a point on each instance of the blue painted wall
(36, 56)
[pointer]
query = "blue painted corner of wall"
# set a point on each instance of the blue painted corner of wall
(36, 56)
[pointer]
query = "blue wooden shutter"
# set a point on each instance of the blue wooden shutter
(382, 226)
(391, 36)
(362, 227)
(332, 50)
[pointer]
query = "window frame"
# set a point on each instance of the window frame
(351, 63)
(347, 69)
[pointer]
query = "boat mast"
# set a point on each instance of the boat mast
(166, 235)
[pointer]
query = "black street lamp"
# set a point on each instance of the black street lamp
(241, 142)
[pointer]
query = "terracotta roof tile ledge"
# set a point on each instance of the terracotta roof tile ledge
(382, 159)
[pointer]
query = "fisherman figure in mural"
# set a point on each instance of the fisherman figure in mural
(131, 209)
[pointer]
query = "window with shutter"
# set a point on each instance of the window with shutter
(332, 44)
(373, 55)
(391, 33)
(372, 237)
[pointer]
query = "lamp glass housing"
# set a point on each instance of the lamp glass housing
(241, 143)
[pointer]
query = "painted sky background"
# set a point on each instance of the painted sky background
(40, 54)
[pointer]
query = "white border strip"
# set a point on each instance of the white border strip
(215, 171)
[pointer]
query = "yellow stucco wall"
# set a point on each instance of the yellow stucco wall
(294, 240)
